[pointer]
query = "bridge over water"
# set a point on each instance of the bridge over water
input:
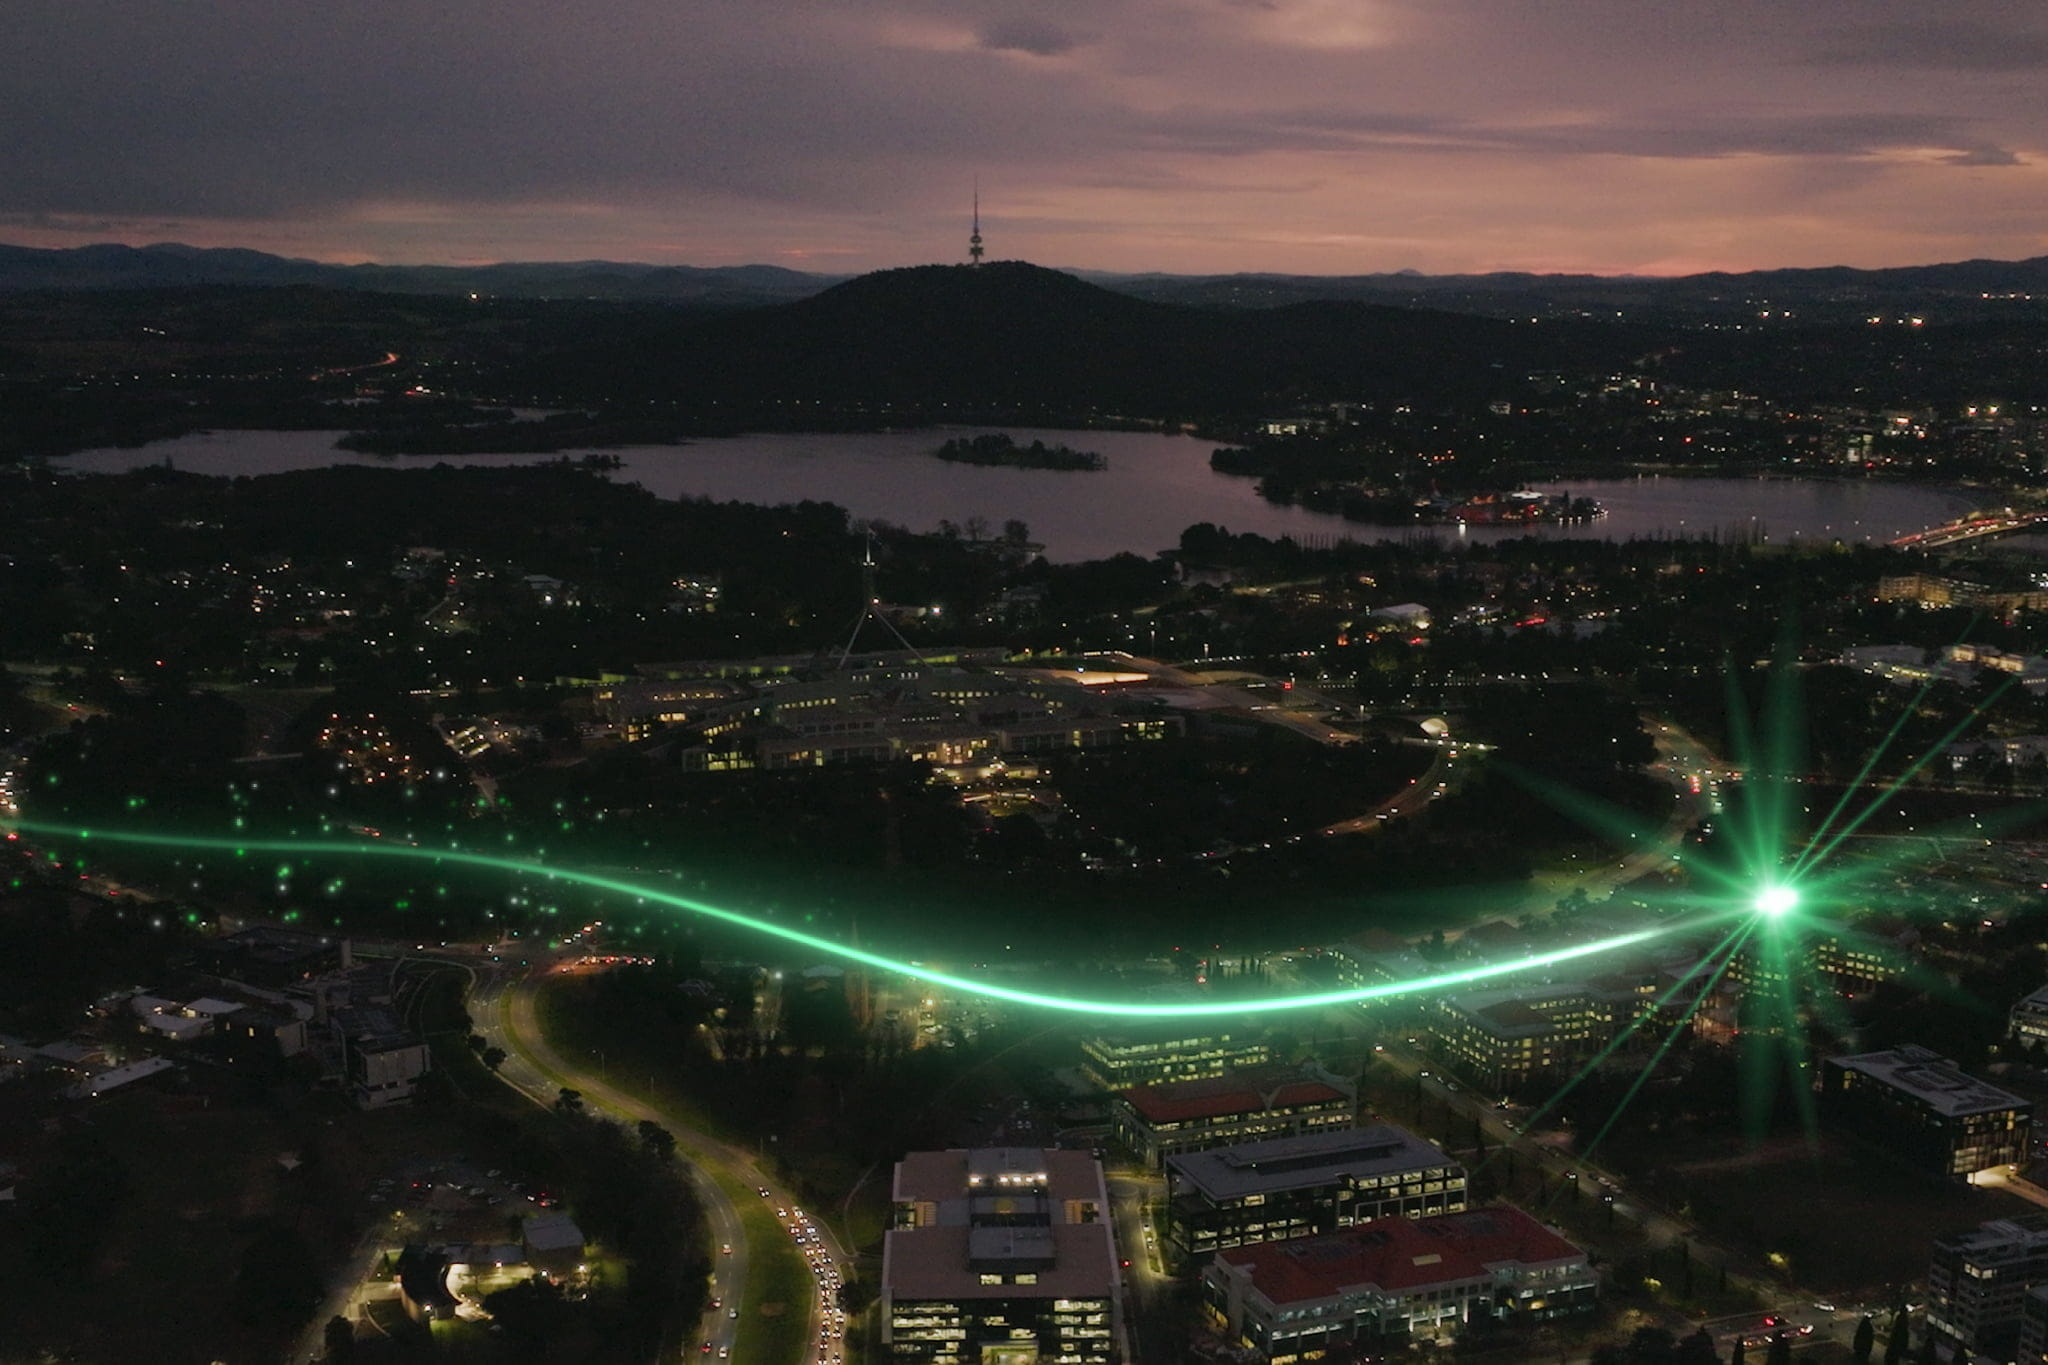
(1971, 526)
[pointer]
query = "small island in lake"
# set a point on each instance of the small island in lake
(999, 449)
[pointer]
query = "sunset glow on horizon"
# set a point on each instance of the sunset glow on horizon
(1187, 136)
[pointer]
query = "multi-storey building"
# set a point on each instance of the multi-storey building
(2030, 1021)
(1393, 1279)
(1118, 1061)
(1300, 1187)
(2033, 1347)
(1977, 1282)
(1931, 591)
(1926, 1111)
(1502, 1038)
(1001, 1256)
(1853, 963)
(1158, 1121)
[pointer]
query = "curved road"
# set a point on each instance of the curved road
(726, 1177)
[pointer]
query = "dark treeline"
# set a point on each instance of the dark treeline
(1007, 342)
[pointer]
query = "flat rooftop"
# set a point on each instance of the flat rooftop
(1394, 1255)
(1071, 1261)
(936, 1177)
(1522, 1011)
(1249, 1091)
(1932, 1079)
(1282, 1164)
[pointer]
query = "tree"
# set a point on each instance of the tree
(278, 1279)
(569, 1101)
(493, 1057)
(476, 1042)
(340, 1336)
(1697, 1349)
(1780, 1352)
(71, 1202)
(1895, 1344)
(533, 1310)
(1866, 1340)
(1735, 1356)
(657, 1139)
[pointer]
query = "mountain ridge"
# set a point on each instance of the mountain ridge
(1982, 284)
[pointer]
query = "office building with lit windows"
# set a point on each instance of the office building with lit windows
(1305, 1186)
(1978, 1282)
(1159, 1121)
(2029, 1020)
(1500, 1039)
(1158, 1056)
(1393, 1280)
(1001, 1256)
(1926, 1111)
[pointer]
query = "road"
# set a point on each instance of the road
(1411, 799)
(1135, 1196)
(503, 1010)
(1680, 760)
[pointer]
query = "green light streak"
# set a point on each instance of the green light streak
(1728, 944)
(1815, 852)
(706, 910)
(1741, 936)
(1884, 745)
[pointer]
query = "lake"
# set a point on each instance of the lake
(1155, 487)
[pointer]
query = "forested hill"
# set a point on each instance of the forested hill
(1011, 335)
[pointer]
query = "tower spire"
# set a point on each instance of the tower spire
(974, 240)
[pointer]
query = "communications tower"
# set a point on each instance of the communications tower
(974, 238)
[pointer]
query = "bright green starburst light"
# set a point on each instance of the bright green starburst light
(1775, 902)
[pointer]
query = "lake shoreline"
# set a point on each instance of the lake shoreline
(1156, 485)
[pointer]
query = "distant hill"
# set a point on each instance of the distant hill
(1963, 290)
(171, 265)
(1005, 341)
(1957, 291)
(1008, 335)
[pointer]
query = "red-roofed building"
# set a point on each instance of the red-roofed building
(1158, 1121)
(1395, 1278)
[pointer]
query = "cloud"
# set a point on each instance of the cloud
(1673, 134)
(1034, 37)
(1938, 42)
(688, 127)
(1983, 156)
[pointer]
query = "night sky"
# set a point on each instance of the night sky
(1311, 136)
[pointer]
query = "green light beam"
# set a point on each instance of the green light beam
(1671, 1037)
(1884, 745)
(1729, 942)
(1742, 742)
(1791, 1034)
(1816, 853)
(1783, 750)
(653, 895)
